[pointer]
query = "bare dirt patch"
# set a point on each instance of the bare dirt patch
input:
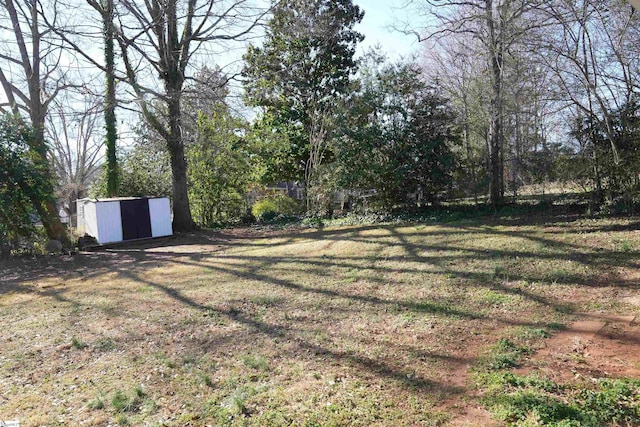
(598, 345)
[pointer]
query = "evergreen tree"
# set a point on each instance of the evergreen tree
(303, 69)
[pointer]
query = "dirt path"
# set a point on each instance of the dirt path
(598, 345)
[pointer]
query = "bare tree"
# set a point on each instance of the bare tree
(449, 65)
(498, 26)
(158, 40)
(76, 145)
(31, 76)
(592, 57)
(160, 43)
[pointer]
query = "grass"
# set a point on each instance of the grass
(78, 344)
(256, 362)
(367, 324)
(132, 402)
(532, 400)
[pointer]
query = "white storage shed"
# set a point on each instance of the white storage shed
(123, 219)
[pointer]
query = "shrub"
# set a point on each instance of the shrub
(270, 207)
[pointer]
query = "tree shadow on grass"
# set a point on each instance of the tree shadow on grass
(291, 334)
(394, 253)
(448, 256)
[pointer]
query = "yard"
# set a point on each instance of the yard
(365, 325)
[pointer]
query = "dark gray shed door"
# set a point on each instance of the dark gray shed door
(136, 222)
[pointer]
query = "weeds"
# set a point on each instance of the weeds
(518, 400)
(494, 298)
(97, 402)
(534, 333)
(555, 326)
(122, 420)
(236, 402)
(77, 344)
(165, 360)
(132, 402)
(256, 362)
(189, 359)
(215, 316)
(121, 402)
(505, 354)
(533, 401)
(104, 344)
(206, 380)
(266, 300)
(626, 246)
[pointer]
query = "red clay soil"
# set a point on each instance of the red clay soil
(598, 345)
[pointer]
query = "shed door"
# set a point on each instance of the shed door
(136, 223)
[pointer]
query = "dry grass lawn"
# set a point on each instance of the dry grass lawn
(360, 325)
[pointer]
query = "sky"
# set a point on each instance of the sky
(379, 18)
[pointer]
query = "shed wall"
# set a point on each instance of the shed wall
(109, 222)
(103, 219)
(160, 213)
(90, 219)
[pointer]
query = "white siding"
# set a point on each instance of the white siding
(80, 222)
(109, 222)
(90, 219)
(160, 213)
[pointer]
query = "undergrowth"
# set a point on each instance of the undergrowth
(530, 400)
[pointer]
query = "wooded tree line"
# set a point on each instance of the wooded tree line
(546, 90)
(505, 93)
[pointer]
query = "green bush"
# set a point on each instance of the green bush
(271, 207)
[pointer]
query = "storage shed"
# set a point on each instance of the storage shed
(123, 219)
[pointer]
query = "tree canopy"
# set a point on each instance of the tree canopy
(303, 69)
(23, 180)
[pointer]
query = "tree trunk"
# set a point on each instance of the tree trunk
(182, 219)
(110, 100)
(599, 196)
(497, 181)
(51, 221)
(48, 214)
(467, 143)
(47, 210)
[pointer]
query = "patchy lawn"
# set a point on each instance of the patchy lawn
(360, 325)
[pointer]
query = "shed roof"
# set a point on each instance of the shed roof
(117, 199)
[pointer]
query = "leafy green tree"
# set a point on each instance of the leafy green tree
(219, 169)
(399, 137)
(279, 147)
(429, 160)
(303, 69)
(24, 181)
